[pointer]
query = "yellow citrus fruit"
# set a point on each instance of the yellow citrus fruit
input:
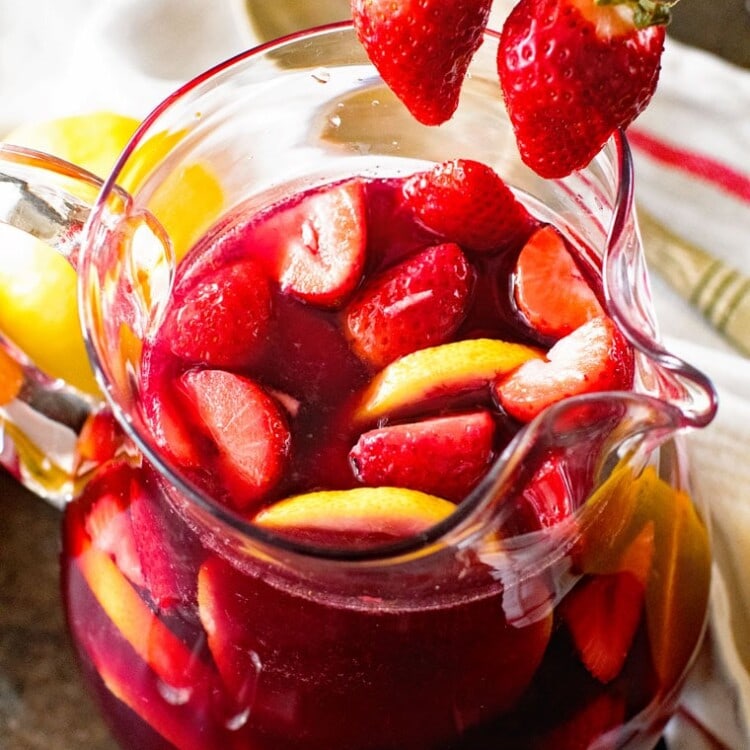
(187, 199)
(11, 377)
(445, 369)
(92, 141)
(362, 508)
(38, 307)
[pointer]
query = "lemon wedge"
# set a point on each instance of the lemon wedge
(440, 370)
(358, 509)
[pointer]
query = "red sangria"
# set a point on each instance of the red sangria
(399, 467)
(343, 368)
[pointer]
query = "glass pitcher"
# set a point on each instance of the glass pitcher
(199, 627)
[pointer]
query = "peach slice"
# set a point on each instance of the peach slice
(448, 369)
(391, 511)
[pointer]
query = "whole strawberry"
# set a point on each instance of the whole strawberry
(574, 71)
(422, 48)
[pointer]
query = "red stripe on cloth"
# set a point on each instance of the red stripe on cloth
(708, 169)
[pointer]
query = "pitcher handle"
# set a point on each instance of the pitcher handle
(41, 418)
(664, 374)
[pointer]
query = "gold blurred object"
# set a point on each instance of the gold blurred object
(721, 293)
(11, 377)
(271, 20)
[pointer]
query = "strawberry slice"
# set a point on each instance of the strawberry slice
(422, 50)
(248, 428)
(603, 612)
(467, 202)
(406, 455)
(166, 548)
(418, 303)
(585, 728)
(554, 309)
(99, 440)
(595, 357)
(221, 319)
(108, 523)
(320, 243)
(549, 495)
(225, 608)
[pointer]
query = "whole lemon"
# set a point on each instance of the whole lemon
(38, 306)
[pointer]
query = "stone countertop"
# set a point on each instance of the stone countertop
(43, 704)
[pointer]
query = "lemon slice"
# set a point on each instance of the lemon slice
(440, 370)
(358, 509)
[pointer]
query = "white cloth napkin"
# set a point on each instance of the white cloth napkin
(60, 57)
(701, 108)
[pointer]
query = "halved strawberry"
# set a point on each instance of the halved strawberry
(222, 318)
(467, 202)
(444, 456)
(320, 244)
(603, 612)
(248, 428)
(165, 416)
(550, 291)
(595, 357)
(422, 49)
(418, 303)
(573, 71)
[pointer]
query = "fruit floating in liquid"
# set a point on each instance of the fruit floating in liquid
(342, 368)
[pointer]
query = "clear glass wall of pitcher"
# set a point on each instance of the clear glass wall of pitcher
(415, 623)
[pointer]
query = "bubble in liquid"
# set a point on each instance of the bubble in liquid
(173, 695)
(233, 723)
(239, 719)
